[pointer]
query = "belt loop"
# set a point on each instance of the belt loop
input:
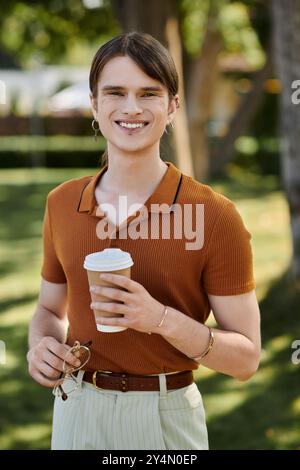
(162, 386)
(79, 377)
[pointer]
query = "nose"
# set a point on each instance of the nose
(131, 105)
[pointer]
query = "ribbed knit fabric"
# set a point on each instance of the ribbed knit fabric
(172, 274)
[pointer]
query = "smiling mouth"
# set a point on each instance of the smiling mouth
(132, 125)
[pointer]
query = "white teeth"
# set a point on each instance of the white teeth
(131, 126)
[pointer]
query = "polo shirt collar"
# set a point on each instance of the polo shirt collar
(165, 193)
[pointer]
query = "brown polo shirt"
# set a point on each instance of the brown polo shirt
(171, 273)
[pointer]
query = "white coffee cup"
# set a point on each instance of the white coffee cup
(109, 260)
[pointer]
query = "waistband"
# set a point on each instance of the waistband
(129, 382)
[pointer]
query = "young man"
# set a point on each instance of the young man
(147, 398)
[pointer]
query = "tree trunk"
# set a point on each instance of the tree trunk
(181, 129)
(160, 19)
(148, 17)
(202, 79)
(286, 23)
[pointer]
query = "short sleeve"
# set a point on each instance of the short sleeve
(52, 270)
(228, 267)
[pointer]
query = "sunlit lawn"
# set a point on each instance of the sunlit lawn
(262, 413)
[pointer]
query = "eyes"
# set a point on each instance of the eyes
(118, 93)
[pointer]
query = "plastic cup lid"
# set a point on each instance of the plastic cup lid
(110, 259)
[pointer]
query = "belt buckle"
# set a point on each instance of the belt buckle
(124, 379)
(101, 372)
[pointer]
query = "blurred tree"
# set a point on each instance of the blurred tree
(286, 21)
(258, 18)
(201, 75)
(210, 30)
(53, 31)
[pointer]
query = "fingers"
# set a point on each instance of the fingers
(111, 307)
(111, 293)
(48, 359)
(54, 362)
(61, 351)
(122, 281)
(49, 372)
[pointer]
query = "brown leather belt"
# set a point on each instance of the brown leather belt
(127, 382)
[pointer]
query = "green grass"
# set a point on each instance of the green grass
(52, 143)
(262, 413)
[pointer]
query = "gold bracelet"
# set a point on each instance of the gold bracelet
(162, 320)
(164, 316)
(210, 345)
(211, 342)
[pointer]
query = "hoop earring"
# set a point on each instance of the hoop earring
(95, 128)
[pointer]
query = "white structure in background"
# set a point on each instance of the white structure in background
(32, 90)
(75, 97)
(2, 92)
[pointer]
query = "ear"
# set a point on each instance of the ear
(173, 106)
(94, 106)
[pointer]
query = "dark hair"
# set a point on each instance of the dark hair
(146, 51)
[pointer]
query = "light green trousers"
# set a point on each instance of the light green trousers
(102, 419)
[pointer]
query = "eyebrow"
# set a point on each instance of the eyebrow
(117, 88)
